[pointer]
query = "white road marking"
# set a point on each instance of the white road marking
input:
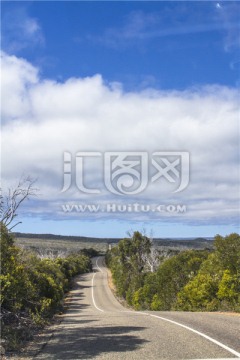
(93, 299)
(98, 266)
(199, 333)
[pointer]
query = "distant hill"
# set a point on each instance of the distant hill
(196, 243)
(59, 241)
(19, 235)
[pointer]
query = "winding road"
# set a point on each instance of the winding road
(97, 326)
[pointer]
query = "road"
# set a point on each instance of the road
(97, 326)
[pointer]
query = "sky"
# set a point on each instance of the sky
(126, 113)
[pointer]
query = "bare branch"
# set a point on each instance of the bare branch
(15, 225)
(10, 203)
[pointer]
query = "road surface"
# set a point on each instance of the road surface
(97, 326)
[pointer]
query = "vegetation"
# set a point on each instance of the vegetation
(32, 289)
(193, 280)
(217, 284)
(59, 243)
(42, 243)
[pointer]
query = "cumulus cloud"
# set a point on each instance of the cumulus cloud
(43, 118)
(17, 76)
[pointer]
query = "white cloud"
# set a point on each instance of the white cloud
(17, 76)
(42, 119)
(228, 14)
(137, 27)
(20, 31)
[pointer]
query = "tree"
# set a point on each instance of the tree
(174, 273)
(215, 287)
(10, 202)
(228, 252)
(152, 258)
(128, 264)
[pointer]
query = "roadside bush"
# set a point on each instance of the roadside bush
(174, 274)
(143, 297)
(193, 280)
(199, 294)
(217, 284)
(150, 290)
(32, 289)
(229, 290)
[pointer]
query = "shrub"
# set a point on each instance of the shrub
(32, 289)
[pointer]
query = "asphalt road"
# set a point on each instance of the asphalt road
(97, 326)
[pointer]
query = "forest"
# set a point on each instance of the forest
(192, 280)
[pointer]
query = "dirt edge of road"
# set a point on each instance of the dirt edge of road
(114, 290)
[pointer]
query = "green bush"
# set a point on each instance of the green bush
(175, 273)
(217, 284)
(127, 265)
(32, 289)
(193, 280)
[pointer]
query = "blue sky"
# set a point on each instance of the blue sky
(162, 44)
(122, 76)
